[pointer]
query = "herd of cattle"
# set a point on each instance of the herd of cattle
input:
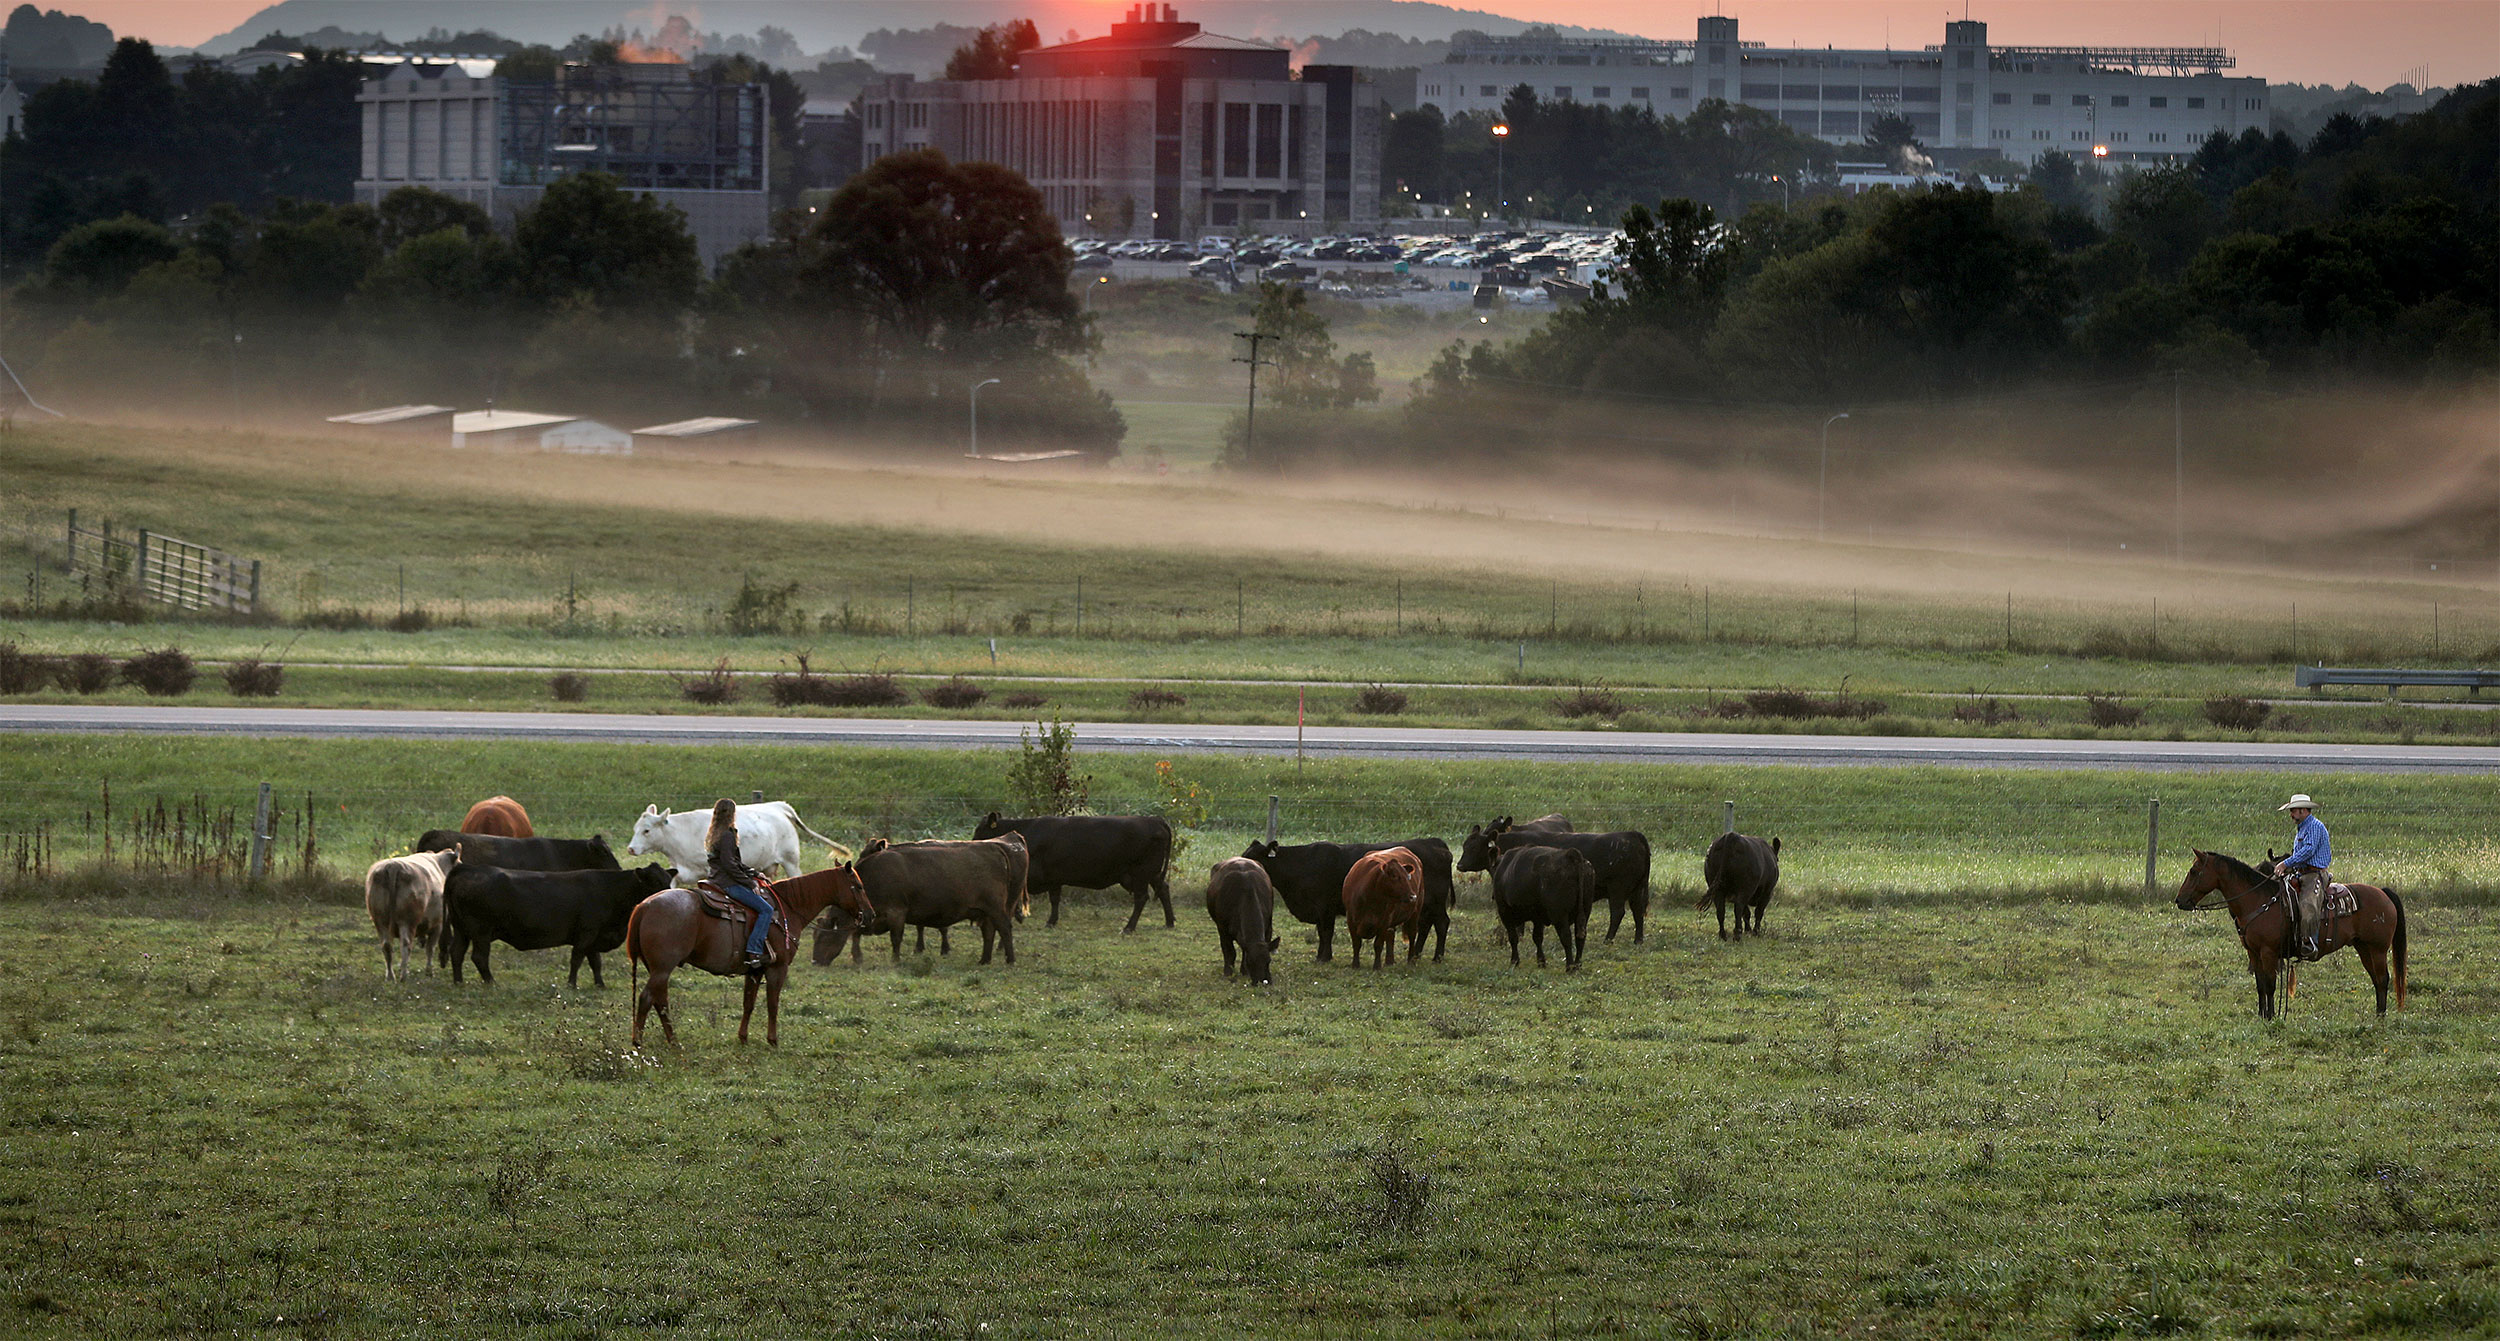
(492, 879)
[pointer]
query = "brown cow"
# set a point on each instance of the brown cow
(1243, 904)
(935, 884)
(498, 815)
(1384, 895)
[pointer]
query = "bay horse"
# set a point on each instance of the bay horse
(2261, 909)
(670, 929)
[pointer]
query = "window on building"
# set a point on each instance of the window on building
(2118, 137)
(2158, 102)
(2120, 100)
(1236, 139)
(1293, 142)
(2256, 104)
(1963, 92)
(1640, 94)
(2083, 100)
(1965, 61)
(1799, 119)
(2080, 136)
(1562, 93)
(1840, 123)
(2002, 99)
(1601, 93)
(2000, 134)
(2039, 134)
(1759, 92)
(1922, 95)
(1432, 90)
(1486, 91)
(2039, 100)
(1271, 139)
(1206, 139)
(2159, 137)
(1797, 92)
(1962, 123)
(1840, 93)
(2196, 104)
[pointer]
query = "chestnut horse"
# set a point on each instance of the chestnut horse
(498, 815)
(2262, 910)
(670, 928)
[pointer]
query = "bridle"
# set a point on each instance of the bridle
(2239, 920)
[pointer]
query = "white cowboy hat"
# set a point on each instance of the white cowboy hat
(2299, 801)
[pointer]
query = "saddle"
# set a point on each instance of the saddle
(781, 944)
(2335, 913)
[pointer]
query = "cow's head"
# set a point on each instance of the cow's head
(1258, 961)
(991, 826)
(655, 877)
(1259, 851)
(647, 827)
(1477, 852)
(446, 859)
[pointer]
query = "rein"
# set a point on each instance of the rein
(2239, 921)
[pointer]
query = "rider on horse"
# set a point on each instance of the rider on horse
(736, 879)
(2304, 872)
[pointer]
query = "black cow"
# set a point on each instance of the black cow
(934, 884)
(1094, 852)
(1242, 901)
(1546, 886)
(1622, 862)
(1742, 870)
(538, 910)
(1310, 878)
(1475, 853)
(523, 854)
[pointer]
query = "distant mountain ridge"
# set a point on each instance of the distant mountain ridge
(822, 24)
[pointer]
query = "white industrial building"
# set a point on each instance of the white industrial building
(520, 429)
(1965, 98)
(456, 127)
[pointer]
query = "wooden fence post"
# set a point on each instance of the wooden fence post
(2152, 840)
(1727, 817)
(139, 567)
(71, 561)
(255, 596)
(260, 836)
(1271, 818)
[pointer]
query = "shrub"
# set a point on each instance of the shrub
(1990, 713)
(414, 619)
(1024, 698)
(875, 690)
(1590, 701)
(22, 672)
(569, 687)
(1380, 700)
(1043, 780)
(166, 672)
(339, 618)
(713, 687)
(254, 678)
(2233, 713)
(1797, 704)
(1154, 697)
(84, 672)
(2106, 710)
(955, 693)
(758, 609)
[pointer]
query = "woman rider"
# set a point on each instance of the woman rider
(735, 878)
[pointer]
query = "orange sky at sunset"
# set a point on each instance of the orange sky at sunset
(2374, 42)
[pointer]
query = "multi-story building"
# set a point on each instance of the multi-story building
(1965, 98)
(497, 143)
(1157, 130)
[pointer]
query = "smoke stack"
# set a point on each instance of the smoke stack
(1171, 15)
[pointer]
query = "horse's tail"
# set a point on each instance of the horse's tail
(2399, 947)
(633, 956)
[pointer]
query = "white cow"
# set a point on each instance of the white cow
(404, 895)
(768, 835)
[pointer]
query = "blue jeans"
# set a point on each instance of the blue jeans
(762, 908)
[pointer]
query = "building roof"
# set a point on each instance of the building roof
(396, 414)
(501, 421)
(694, 428)
(1194, 40)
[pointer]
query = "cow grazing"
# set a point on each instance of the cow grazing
(935, 884)
(523, 854)
(1133, 852)
(539, 910)
(404, 896)
(498, 815)
(1384, 894)
(1310, 878)
(1622, 862)
(1741, 870)
(1243, 904)
(1542, 887)
(768, 836)
(1476, 853)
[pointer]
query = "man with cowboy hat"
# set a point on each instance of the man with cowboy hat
(2304, 870)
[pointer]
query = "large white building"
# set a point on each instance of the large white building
(456, 127)
(1966, 98)
(1157, 130)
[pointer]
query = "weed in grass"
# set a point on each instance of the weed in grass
(1989, 713)
(1793, 704)
(1155, 697)
(1380, 700)
(715, 686)
(1590, 701)
(166, 672)
(254, 678)
(2105, 710)
(513, 1188)
(569, 687)
(2156, 1310)
(1395, 1195)
(2234, 713)
(954, 692)
(1024, 698)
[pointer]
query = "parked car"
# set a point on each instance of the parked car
(1094, 260)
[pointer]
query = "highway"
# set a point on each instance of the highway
(1377, 742)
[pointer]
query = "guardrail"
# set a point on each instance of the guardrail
(2472, 681)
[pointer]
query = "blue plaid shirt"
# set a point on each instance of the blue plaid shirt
(2309, 845)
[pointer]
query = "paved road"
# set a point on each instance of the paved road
(1343, 741)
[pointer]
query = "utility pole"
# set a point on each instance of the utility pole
(1250, 422)
(2178, 473)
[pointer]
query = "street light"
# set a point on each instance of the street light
(1823, 472)
(975, 453)
(1783, 181)
(1501, 137)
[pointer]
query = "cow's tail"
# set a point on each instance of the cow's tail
(839, 852)
(2399, 947)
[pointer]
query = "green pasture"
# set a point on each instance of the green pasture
(1180, 427)
(1961, 1115)
(1227, 702)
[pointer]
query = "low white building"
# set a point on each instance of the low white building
(524, 431)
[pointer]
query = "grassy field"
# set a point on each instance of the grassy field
(1973, 1083)
(647, 557)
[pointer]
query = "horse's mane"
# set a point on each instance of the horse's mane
(2245, 871)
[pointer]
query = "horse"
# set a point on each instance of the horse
(2262, 911)
(498, 815)
(670, 929)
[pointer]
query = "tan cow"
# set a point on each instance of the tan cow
(404, 895)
